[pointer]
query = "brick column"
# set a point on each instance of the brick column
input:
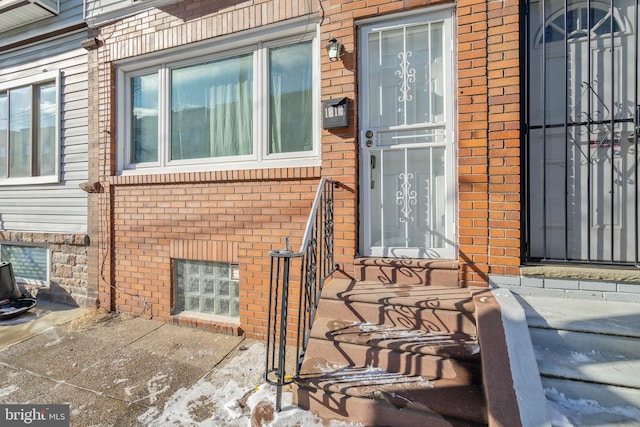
(473, 197)
(504, 137)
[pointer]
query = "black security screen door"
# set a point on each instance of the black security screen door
(581, 125)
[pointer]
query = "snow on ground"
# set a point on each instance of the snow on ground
(566, 412)
(228, 396)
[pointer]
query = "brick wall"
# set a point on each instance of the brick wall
(488, 139)
(236, 216)
(142, 221)
(227, 217)
(503, 70)
(472, 141)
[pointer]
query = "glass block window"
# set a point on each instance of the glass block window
(206, 287)
(29, 263)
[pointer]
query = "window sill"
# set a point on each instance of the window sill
(208, 317)
(29, 181)
(298, 172)
(302, 161)
(219, 324)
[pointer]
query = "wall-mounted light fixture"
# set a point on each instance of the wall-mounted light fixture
(334, 49)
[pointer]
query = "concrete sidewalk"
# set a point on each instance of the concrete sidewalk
(123, 371)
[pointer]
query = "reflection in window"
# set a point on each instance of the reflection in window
(144, 120)
(211, 109)
(20, 132)
(29, 263)
(290, 98)
(578, 20)
(28, 131)
(243, 107)
(46, 131)
(4, 122)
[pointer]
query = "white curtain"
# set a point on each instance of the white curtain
(290, 98)
(275, 118)
(230, 119)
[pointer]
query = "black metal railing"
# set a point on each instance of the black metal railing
(315, 261)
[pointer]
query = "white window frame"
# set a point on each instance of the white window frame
(256, 42)
(27, 281)
(47, 77)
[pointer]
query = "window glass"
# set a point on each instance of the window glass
(290, 98)
(29, 132)
(29, 263)
(144, 120)
(212, 109)
(578, 19)
(206, 287)
(20, 132)
(3, 134)
(223, 109)
(46, 137)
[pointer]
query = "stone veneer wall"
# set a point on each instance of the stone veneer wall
(68, 278)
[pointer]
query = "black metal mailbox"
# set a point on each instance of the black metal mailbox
(335, 113)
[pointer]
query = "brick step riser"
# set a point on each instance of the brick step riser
(431, 320)
(456, 346)
(324, 356)
(407, 275)
(367, 411)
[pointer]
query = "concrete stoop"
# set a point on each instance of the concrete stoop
(588, 353)
(398, 354)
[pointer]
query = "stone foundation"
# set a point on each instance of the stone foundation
(68, 278)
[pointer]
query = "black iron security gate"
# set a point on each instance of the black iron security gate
(581, 125)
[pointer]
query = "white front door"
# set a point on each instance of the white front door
(406, 138)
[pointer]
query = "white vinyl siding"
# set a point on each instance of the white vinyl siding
(70, 13)
(59, 207)
(101, 11)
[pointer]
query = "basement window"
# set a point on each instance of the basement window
(206, 287)
(29, 263)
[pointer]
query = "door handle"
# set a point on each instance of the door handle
(372, 162)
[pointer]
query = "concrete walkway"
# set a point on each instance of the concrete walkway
(119, 371)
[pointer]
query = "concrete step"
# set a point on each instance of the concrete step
(393, 354)
(325, 356)
(442, 273)
(429, 297)
(587, 404)
(596, 358)
(379, 411)
(582, 315)
(445, 397)
(400, 336)
(408, 317)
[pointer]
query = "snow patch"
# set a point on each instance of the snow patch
(370, 374)
(8, 390)
(157, 385)
(222, 398)
(569, 412)
(580, 357)
(289, 415)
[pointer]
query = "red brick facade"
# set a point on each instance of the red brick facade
(139, 223)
